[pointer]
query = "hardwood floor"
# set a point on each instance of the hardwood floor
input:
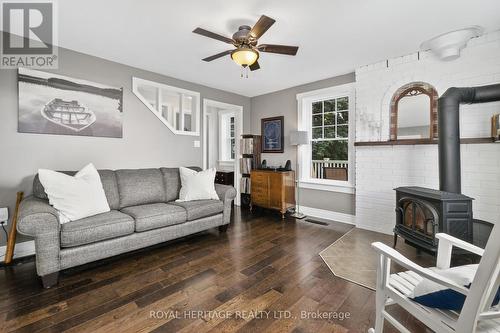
(263, 275)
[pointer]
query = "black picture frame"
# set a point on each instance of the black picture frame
(272, 131)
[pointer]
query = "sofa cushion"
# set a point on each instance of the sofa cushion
(96, 228)
(139, 187)
(154, 216)
(108, 179)
(172, 180)
(200, 208)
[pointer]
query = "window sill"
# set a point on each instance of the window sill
(340, 187)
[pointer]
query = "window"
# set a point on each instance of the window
(232, 139)
(227, 137)
(177, 108)
(327, 161)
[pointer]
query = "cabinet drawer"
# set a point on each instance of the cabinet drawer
(259, 199)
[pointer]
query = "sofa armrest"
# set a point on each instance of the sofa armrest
(225, 192)
(37, 217)
(40, 220)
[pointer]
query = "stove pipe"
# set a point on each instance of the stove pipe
(449, 130)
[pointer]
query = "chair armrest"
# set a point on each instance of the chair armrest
(37, 217)
(445, 238)
(389, 252)
(225, 192)
(445, 247)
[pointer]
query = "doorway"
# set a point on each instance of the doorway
(222, 129)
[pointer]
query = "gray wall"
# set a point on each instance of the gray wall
(284, 103)
(146, 141)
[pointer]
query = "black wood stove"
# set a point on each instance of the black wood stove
(423, 212)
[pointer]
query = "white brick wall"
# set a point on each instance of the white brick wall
(379, 169)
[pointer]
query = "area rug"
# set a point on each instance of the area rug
(352, 258)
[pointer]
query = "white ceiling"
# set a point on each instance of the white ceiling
(334, 36)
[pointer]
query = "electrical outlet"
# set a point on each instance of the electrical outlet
(4, 215)
(196, 144)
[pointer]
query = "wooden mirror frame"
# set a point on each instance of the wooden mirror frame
(414, 89)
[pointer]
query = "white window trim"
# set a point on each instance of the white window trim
(304, 106)
(196, 105)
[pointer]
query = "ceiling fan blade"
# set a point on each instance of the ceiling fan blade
(280, 49)
(262, 25)
(255, 66)
(213, 35)
(218, 55)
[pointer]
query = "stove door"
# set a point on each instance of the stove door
(418, 219)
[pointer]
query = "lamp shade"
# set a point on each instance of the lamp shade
(298, 138)
(244, 56)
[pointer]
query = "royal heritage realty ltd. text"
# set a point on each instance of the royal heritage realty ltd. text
(249, 315)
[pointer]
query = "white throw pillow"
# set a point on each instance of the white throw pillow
(435, 295)
(75, 197)
(462, 275)
(197, 185)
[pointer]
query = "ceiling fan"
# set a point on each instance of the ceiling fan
(246, 42)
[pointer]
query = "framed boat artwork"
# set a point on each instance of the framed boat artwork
(56, 104)
(272, 134)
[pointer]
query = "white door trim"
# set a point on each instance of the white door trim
(238, 109)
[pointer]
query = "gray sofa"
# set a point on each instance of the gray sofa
(143, 213)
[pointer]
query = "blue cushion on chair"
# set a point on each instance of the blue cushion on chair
(434, 295)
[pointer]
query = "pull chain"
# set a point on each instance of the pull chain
(244, 72)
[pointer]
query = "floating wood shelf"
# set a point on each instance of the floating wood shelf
(411, 142)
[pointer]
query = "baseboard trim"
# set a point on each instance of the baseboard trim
(329, 215)
(375, 229)
(23, 249)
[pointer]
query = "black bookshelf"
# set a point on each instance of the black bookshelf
(251, 147)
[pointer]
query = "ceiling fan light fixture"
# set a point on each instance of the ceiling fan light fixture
(245, 56)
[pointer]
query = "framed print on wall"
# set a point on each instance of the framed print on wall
(272, 134)
(55, 104)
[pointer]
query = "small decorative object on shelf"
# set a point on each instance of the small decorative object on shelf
(250, 152)
(495, 127)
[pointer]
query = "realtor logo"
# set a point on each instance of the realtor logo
(28, 34)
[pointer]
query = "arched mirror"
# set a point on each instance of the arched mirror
(414, 112)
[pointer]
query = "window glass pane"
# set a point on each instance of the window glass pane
(329, 105)
(317, 107)
(317, 120)
(333, 150)
(232, 148)
(187, 108)
(342, 131)
(329, 118)
(330, 132)
(343, 117)
(342, 103)
(150, 94)
(187, 122)
(177, 108)
(317, 133)
(171, 104)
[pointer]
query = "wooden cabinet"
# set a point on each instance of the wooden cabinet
(224, 177)
(273, 189)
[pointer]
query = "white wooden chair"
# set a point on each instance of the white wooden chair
(477, 315)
